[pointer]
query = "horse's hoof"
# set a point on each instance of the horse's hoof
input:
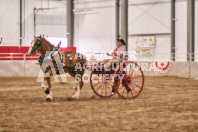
(47, 91)
(92, 97)
(48, 99)
(75, 97)
(71, 99)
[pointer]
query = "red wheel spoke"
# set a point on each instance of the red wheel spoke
(133, 70)
(134, 88)
(120, 87)
(137, 81)
(109, 89)
(99, 87)
(136, 77)
(96, 84)
(130, 72)
(110, 84)
(133, 74)
(105, 89)
(134, 80)
(123, 90)
(102, 90)
(136, 85)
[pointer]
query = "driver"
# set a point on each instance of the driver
(117, 54)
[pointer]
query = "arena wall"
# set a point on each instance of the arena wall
(180, 69)
(95, 31)
(30, 68)
(181, 30)
(19, 68)
(95, 27)
(88, 23)
(10, 29)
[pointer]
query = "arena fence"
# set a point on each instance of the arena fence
(21, 64)
(17, 56)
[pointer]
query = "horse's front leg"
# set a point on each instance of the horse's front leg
(47, 89)
(76, 87)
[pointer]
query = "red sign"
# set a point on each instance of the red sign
(162, 67)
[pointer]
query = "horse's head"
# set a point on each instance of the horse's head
(35, 46)
(39, 44)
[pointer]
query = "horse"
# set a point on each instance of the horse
(43, 46)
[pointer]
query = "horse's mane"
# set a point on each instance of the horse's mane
(42, 36)
(48, 42)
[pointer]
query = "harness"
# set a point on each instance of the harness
(70, 60)
(54, 51)
(40, 60)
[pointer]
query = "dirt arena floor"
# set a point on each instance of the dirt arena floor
(167, 104)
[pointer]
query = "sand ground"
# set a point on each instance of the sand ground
(167, 104)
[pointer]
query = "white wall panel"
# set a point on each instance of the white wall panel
(42, 28)
(151, 17)
(51, 22)
(10, 22)
(181, 30)
(196, 30)
(95, 27)
(95, 24)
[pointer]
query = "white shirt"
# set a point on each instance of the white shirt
(119, 50)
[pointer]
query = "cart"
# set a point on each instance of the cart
(125, 79)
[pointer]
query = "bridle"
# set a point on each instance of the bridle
(39, 43)
(32, 48)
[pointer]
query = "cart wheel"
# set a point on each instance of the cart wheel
(102, 84)
(129, 80)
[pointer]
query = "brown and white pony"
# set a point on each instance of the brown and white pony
(40, 44)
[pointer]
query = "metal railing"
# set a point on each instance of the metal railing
(178, 57)
(157, 57)
(17, 56)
